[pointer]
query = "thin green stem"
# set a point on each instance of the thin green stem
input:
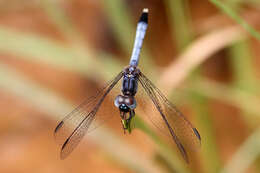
(232, 14)
(39, 49)
(204, 122)
(242, 66)
(235, 97)
(178, 11)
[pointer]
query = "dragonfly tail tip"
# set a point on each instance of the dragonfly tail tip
(145, 10)
(144, 16)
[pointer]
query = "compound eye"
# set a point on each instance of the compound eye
(130, 102)
(119, 100)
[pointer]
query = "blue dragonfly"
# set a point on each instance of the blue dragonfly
(86, 117)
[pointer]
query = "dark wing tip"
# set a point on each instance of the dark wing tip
(197, 133)
(62, 155)
(183, 152)
(65, 143)
(58, 126)
(144, 16)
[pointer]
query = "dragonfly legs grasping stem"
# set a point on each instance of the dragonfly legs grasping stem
(126, 121)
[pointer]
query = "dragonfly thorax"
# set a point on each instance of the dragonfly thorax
(130, 81)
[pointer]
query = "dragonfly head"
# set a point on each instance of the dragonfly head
(125, 103)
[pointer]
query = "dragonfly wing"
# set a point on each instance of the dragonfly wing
(84, 118)
(170, 120)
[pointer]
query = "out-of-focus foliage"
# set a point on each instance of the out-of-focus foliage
(203, 54)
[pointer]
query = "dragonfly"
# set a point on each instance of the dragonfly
(84, 118)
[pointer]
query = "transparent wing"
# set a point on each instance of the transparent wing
(86, 117)
(169, 120)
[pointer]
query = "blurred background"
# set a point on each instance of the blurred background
(204, 55)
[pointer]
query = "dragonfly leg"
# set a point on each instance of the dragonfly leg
(126, 118)
(131, 115)
(128, 121)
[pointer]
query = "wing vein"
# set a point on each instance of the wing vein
(170, 116)
(83, 119)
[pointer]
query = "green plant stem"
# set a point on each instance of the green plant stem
(242, 66)
(235, 97)
(244, 75)
(59, 17)
(62, 21)
(178, 11)
(38, 49)
(120, 20)
(232, 14)
(243, 71)
(235, 4)
(204, 125)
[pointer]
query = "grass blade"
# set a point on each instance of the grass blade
(232, 14)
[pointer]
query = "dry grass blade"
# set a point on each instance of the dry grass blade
(200, 50)
(245, 156)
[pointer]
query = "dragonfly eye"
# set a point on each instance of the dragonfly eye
(130, 102)
(119, 100)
